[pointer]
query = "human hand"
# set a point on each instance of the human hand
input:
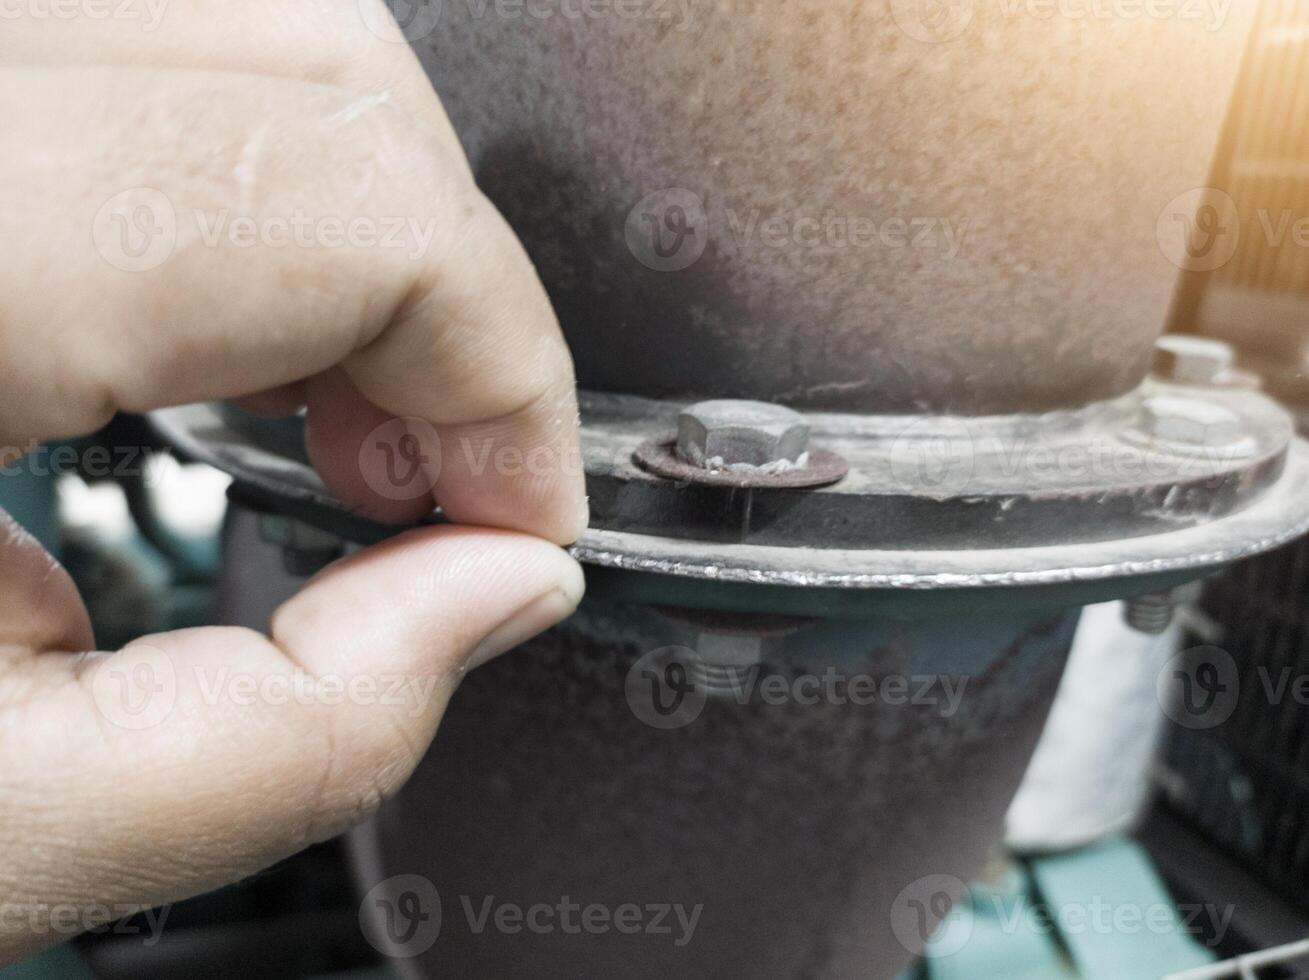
(156, 184)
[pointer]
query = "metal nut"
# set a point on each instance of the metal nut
(1187, 422)
(1193, 360)
(728, 433)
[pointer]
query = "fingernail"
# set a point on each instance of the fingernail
(582, 519)
(535, 617)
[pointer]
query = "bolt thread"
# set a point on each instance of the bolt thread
(1151, 614)
(719, 680)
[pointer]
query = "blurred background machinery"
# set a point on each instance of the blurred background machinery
(1242, 786)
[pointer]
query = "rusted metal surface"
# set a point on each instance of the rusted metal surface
(811, 204)
(821, 468)
(797, 827)
(1199, 511)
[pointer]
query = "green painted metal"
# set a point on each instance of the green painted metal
(29, 498)
(1097, 913)
(995, 933)
(1133, 929)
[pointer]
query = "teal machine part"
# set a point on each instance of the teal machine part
(29, 497)
(1097, 913)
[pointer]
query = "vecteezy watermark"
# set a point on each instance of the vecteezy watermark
(299, 229)
(1210, 15)
(408, 692)
(920, 909)
(668, 688)
(1200, 230)
(401, 917)
(139, 229)
(938, 455)
(412, 20)
(136, 229)
(950, 457)
(401, 21)
(933, 21)
(1207, 923)
(401, 459)
(938, 21)
(95, 462)
(136, 688)
(833, 231)
(935, 914)
(66, 919)
(928, 916)
(669, 230)
(674, 920)
(148, 13)
(1282, 686)
(139, 688)
(665, 688)
(1199, 688)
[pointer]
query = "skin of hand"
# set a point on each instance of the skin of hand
(254, 118)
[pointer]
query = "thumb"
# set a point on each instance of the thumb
(187, 760)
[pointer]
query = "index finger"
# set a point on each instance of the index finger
(453, 329)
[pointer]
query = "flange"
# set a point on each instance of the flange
(1114, 500)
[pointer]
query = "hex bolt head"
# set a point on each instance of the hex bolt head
(728, 433)
(1193, 360)
(1190, 423)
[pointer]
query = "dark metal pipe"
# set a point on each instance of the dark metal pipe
(816, 203)
(811, 835)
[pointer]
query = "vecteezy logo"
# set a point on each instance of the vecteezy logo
(1199, 231)
(401, 916)
(921, 908)
(400, 21)
(935, 456)
(669, 230)
(135, 688)
(135, 230)
(932, 21)
(401, 459)
(1199, 688)
(663, 689)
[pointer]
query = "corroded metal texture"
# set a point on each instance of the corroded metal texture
(813, 835)
(835, 205)
(660, 457)
(818, 573)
